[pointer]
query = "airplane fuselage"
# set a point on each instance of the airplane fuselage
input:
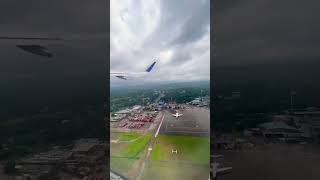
(176, 115)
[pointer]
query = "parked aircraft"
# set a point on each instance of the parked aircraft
(176, 115)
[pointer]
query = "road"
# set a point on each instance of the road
(150, 148)
(116, 176)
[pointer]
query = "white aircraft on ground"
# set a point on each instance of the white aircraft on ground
(28, 44)
(176, 115)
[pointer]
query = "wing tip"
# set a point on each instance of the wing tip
(151, 67)
(36, 49)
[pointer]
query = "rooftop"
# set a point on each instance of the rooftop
(125, 111)
(276, 125)
(84, 145)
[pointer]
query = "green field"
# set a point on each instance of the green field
(121, 165)
(129, 136)
(157, 170)
(134, 148)
(125, 154)
(190, 149)
(191, 161)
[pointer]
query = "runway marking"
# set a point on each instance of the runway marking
(159, 126)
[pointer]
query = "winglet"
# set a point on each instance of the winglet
(121, 77)
(150, 67)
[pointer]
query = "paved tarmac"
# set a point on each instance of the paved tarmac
(195, 121)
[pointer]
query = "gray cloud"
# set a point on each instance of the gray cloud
(176, 33)
(195, 26)
(265, 31)
(82, 56)
(56, 17)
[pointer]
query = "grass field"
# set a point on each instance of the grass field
(125, 155)
(158, 170)
(190, 149)
(134, 148)
(124, 136)
(191, 161)
(128, 136)
(121, 165)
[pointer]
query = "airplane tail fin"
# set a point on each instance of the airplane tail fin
(150, 67)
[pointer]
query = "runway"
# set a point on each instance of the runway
(195, 122)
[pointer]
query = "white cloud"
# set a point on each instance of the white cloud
(145, 30)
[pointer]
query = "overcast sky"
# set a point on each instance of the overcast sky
(82, 23)
(79, 63)
(174, 33)
(266, 31)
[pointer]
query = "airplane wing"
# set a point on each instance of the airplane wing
(224, 170)
(36, 49)
(125, 75)
(28, 44)
(37, 45)
(216, 170)
(121, 77)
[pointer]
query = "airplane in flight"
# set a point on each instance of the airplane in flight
(41, 50)
(177, 115)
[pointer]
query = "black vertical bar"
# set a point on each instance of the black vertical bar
(107, 99)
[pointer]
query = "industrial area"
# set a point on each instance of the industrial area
(133, 118)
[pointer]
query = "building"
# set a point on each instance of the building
(83, 146)
(309, 121)
(279, 130)
(136, 108)
(196, 101)
(124, 111)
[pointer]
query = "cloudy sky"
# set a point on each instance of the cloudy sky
(175, 33)
(81, 23)
(266, 31)
(79, 63)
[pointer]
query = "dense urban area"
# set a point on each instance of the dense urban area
(56, 137)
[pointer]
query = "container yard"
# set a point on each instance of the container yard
(140, 120)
